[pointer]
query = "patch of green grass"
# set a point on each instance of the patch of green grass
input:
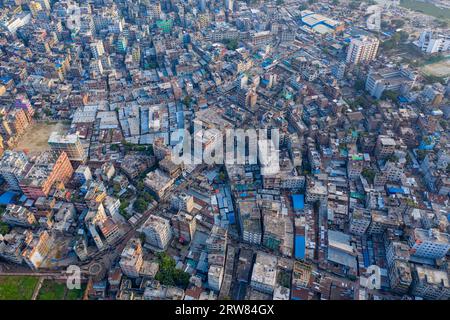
(17, 287)
(51, 290)
(426, 8)
(75, 294)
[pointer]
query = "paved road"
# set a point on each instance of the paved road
(37, 288)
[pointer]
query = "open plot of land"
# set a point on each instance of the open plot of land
(51, 290)
(426, 8)
(36, 137)
(17, 287)
(438, 69)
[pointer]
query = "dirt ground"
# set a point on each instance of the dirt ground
(36, 137)
(439, 69)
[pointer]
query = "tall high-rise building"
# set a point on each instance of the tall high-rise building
(363, 49)
(49, 167)
(70, 144)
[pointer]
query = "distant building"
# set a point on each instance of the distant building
(398, 80)
(432, 42)
(319, 23)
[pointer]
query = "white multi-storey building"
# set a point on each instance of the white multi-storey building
(431, 42)
(157, 231)
(363, 49)
(430, 244)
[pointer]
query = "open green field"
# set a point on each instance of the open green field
(17, 287)
(426, 8)
(51, 290)
(75, 294)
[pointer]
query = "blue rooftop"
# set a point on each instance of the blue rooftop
(299, 247)
(393, 190)
(5, 79)
(7, 197)
(299, 201)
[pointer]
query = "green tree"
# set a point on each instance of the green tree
(368, 174)
(4, 228)
(390, 95)
(140, 186)
(231, 44)
(392, 158)
(123, 208)
(140, 205)
(168, 274)
(398, 23)
(181, 278)
(187, 101)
